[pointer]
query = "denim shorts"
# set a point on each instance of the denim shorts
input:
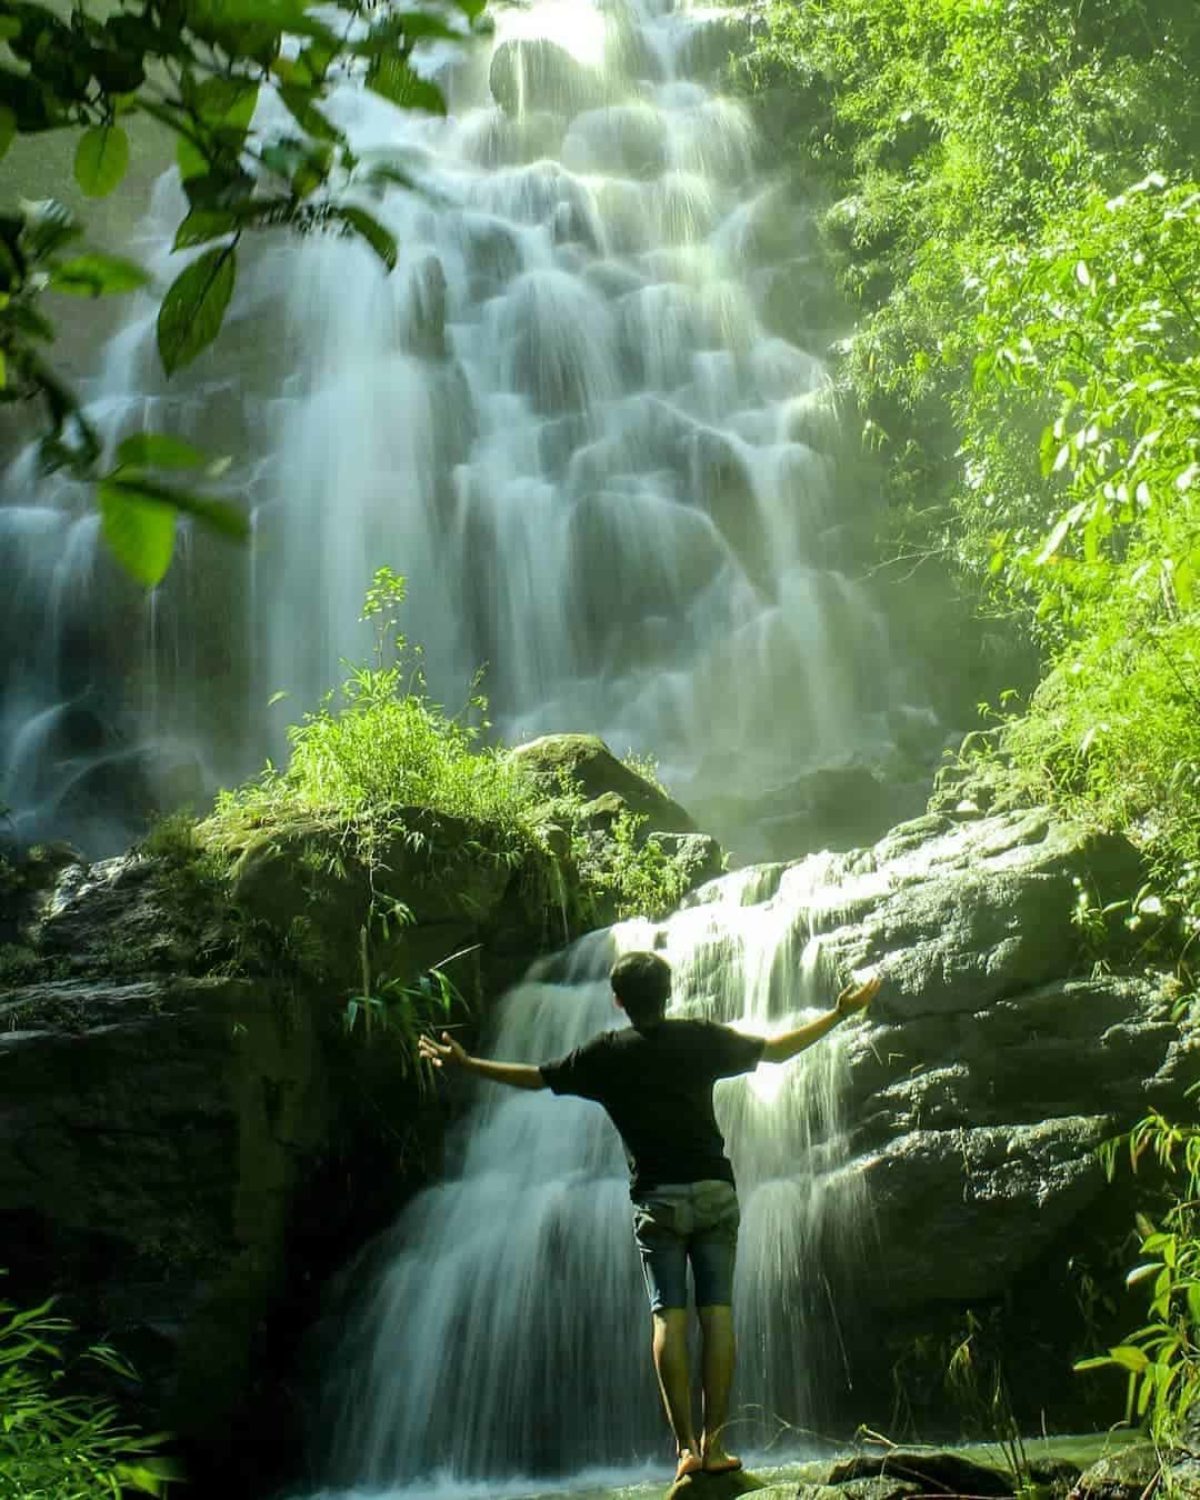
(678, 1223)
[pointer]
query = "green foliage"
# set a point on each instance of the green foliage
(405, 1012)
(198, 70)
(1019, 226)
(977, 1384)
(626, 871)
(64, 1446)
(1162, 1357)
(380, 744)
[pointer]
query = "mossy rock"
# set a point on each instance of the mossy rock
(586, 762)
(310, 880)
(1125, 1475)
(928, 1472)
(536, 74)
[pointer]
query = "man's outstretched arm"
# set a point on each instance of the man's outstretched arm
(449, 1053)
(853, 998)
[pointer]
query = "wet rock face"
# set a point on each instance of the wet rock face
(537, 74)
(995, 1063)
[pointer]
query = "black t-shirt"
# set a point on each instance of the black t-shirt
(657, 1088)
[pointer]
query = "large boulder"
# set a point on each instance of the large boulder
(585, 762)
(536, 74)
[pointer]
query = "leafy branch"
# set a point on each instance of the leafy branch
(199, 69)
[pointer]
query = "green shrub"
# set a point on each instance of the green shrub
(1162, 1358)
(380, 744)
(1019, 225)
(59, 1446)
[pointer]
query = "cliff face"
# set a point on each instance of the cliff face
(192, 1142)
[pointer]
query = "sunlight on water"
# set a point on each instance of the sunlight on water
(575, 25)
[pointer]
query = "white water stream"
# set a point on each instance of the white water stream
(508, 1332)
(565, 418)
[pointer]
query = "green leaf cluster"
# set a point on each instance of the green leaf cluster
(380, 744)
(58, 1444)
(1162, 1357)
(199, 69)
(1017, 223)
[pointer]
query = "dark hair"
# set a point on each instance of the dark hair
(642, 983)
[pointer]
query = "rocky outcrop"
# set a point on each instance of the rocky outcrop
(585, 762)
(536, 74)
(192, 1143)
(193, 1140)
(998, 1056)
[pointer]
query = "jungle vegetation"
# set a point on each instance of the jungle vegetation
(1015, 226)
(1015, 223)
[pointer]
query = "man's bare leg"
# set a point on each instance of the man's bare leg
(669, 1346)
(716, 1325)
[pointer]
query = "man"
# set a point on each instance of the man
(655, 1079)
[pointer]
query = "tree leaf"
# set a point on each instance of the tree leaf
(140, 533)
(194, 307)
(217, 515)
(157, 450)
(393, 79)
(101, 158)
(300, 106)
(8, 128)
(95, 275)
(381, 240)
(202, 225)
(1129, 1358)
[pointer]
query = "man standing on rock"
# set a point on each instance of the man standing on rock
(655, 1079)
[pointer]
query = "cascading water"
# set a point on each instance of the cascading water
(565, 417)
(508, 1332)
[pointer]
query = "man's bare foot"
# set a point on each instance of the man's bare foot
(716, 1461)
(690, 1462)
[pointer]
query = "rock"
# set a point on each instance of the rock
(963, 1212)
(1181, 1477)
(876, 1487)
(719, 480)
(585, 761)
(698, 855)
(154, 1132)
(713, 42)
(435, 865)
(537, 74)
(831, 807)
(627, 140)
(501, 140)
(424, 310)
(109, 918)
(715, 1486)
(44, 862)
(1127, 1474)
(932, 1473)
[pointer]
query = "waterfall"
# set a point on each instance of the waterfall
(571, 417)
(507, 1331)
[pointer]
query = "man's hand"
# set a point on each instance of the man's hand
(439, 1054)
(856, 997)
(449, 1053)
